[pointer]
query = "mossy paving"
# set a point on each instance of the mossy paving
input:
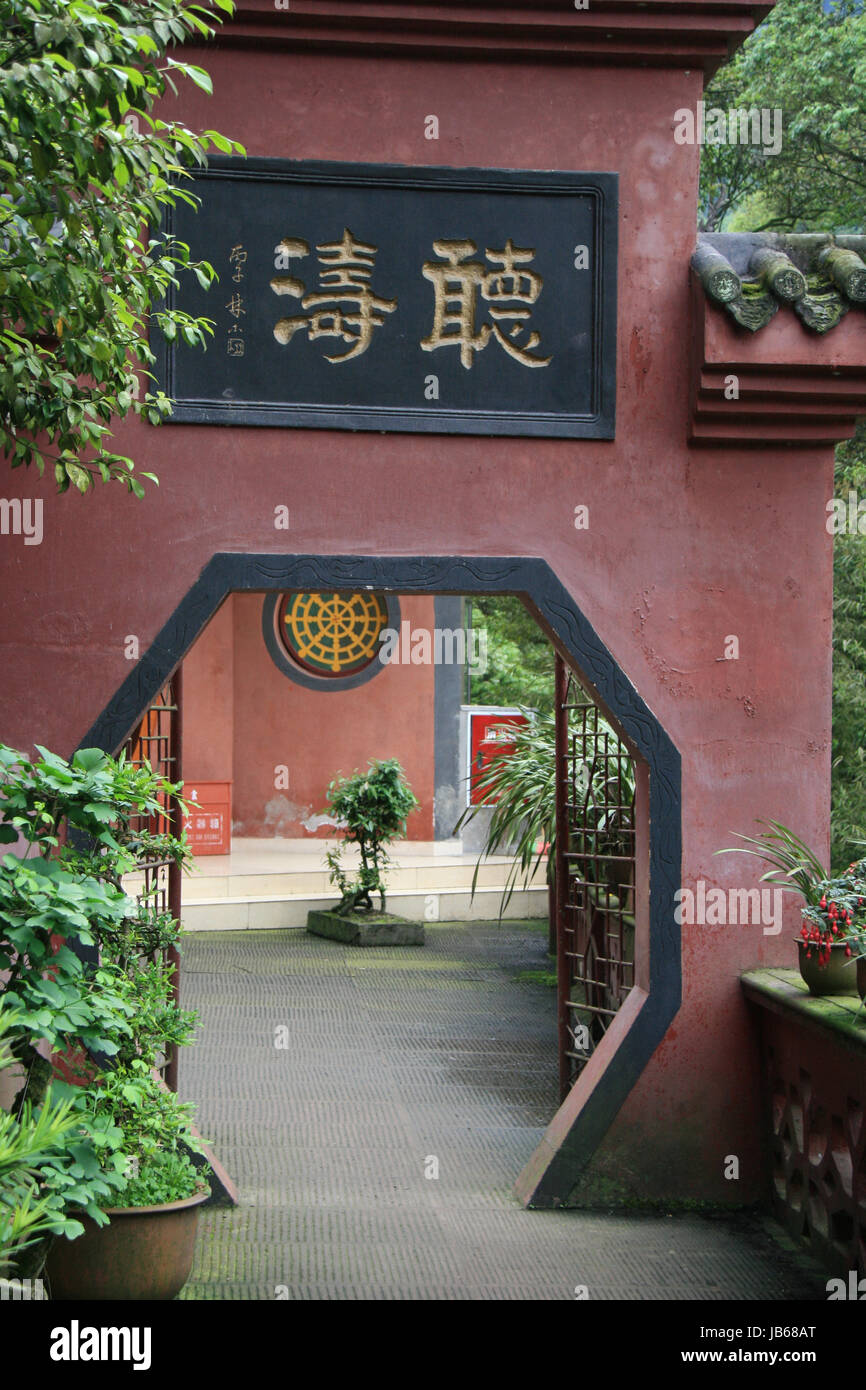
(396, 1056)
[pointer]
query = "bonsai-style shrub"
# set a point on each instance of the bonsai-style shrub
(371, 808)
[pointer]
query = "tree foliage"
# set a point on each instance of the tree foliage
(87, 171)
(520, 660)
(848, 821)
(807, 59)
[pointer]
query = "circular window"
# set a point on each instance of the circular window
(328, 640)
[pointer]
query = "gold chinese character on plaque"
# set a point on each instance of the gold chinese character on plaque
(506, 289)
(237, 258)
(345, 306)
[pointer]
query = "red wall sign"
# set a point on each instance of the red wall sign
(209, 825)
(488, 738)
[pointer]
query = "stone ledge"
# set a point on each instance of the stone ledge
(841, 1017)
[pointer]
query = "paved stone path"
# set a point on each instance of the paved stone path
(394, 1057)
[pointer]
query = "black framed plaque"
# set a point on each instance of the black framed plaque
(382, 297)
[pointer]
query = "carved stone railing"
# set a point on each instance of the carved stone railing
(813, 1057)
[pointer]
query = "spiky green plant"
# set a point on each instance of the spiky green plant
(793, 865)
(27, 1213)
(520, 781)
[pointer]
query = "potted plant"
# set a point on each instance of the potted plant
(371, 809)
(145, 1251)
(112, 1021)
(52, 1003)
(142, 1135)
(834, 909)
(828, 936)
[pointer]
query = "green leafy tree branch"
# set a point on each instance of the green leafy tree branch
(808, 60)
(86, 171)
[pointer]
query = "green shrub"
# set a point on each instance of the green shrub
(166, 1176)
(371, 808)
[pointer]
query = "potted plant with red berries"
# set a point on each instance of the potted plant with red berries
(828, 940)
(834, 909)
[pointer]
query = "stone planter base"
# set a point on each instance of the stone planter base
(366, 929)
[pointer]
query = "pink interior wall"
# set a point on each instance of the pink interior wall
(267, 724)
(208, 701)
(683, 547)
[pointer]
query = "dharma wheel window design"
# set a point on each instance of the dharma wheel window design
(332, 634)
(328, 640)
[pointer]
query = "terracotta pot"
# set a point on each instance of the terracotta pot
(839, 977)
(144, 1253)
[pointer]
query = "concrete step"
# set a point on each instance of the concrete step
(275, 883)
(430, 875)
(258, 913)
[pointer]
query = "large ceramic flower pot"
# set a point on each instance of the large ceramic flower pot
(29, 1263)
(144, 1253)
(839, 976)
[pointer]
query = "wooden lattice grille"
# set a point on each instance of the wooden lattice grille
(156, 740)
(595, 874)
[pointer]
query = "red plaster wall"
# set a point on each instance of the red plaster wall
(208, 701)
(683, 547)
